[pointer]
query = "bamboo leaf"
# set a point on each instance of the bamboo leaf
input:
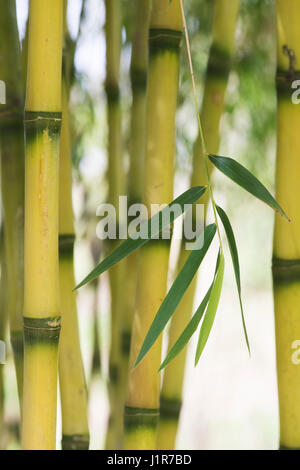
(158, 221)
(187, 332)
(240, 175)
(176, 292)
(211, 308)
(235, 261)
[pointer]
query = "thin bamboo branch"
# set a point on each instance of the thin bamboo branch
(219, 64)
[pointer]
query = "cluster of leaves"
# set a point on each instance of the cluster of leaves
(208, 307)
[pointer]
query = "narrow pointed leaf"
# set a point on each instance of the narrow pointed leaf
(235, 261)
(240, 175)
(128, 246)
(176, 292)
(211, 308)
(187, 332)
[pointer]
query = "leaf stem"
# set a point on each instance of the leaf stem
(201, 133)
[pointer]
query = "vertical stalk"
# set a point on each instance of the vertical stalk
(116, 187)
(286, 250)
(96, 358)
(96, 367)
(138, 75)
(12, 175)
(3, 330)
(73, 391)
(219, 65)
(41, 294)
(75, 431)
(142, 410)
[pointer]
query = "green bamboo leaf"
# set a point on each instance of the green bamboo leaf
(176, 292)
(240, 175)
(187, 332)
(211, 308)
(158, 221)
(235, 261)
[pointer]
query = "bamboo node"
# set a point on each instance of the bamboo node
(285, 270)
(41, 330)
(170, 408)
(140, 417)
(164, 39)
(75, 442)
(66, 243)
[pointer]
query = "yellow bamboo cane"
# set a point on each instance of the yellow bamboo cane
(142, 410)
(3, 331)
(71, 373)
(286, 252)
(219, 64)
(12, 175)
(41, 293)
(138, 74)
(116, 188)
(75, 431)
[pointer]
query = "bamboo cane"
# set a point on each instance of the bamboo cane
(3, 331)
(219, 64)
(116, 188)
(96, 357)
(138, 74)
(71, 374)
(41, 293)
(286, 250)
(12, 175)
(75, 431)
(142, 410)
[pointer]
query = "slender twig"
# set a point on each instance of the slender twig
(201, 133)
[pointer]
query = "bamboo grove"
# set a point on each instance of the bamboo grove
(151, 288)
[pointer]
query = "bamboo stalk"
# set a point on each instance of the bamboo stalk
(41, 294)
(286, 250)
(116, 188)
(219, 64)
(75, 431)
(12, 175)
(96, 358)
(73, 391)
(3, 331)
(142, 410)
(138, 75)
